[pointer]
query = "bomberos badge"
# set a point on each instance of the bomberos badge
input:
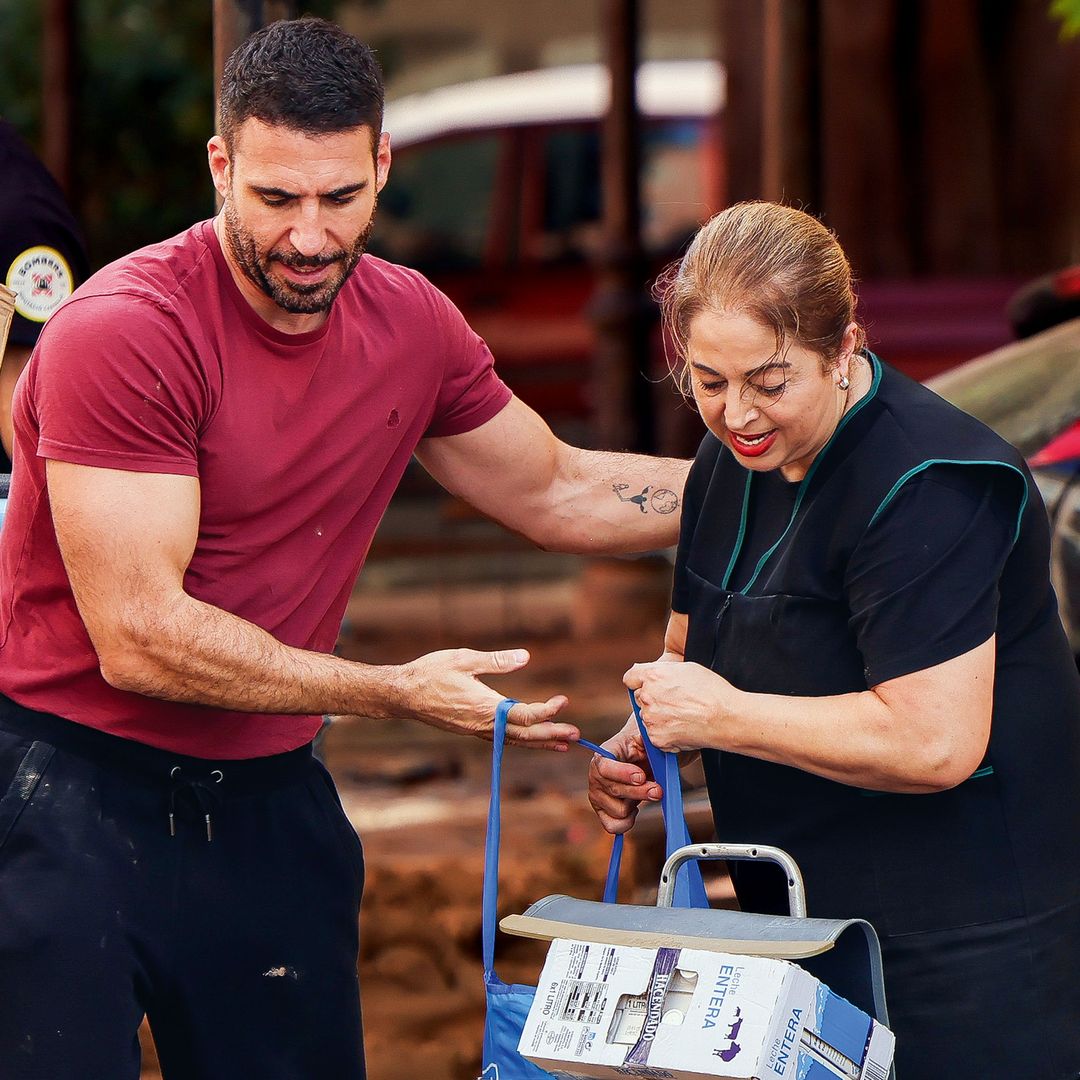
(41, 280)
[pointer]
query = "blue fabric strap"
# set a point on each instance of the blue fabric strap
(611, 885)
(689, 887)
(491, 851)
(490, 901)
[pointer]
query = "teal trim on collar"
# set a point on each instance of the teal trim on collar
(875, 382)
(742, 531)
(954, 461)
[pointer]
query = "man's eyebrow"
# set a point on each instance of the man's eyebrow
(281, 193)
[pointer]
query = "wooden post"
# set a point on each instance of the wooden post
(771, 55)
(59, 66)
(621, 310)
(234, 20)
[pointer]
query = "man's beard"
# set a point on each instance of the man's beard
(293, 297)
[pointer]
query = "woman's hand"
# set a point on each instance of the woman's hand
(682, 705)
(617, 788)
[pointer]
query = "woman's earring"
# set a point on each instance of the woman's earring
(844, 382)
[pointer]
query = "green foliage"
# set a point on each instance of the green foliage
(20, 65)
(144, 118)
(1068, 11)
(144, 110)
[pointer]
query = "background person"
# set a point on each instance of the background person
(41, 257)
(207, 436)
(864, 645)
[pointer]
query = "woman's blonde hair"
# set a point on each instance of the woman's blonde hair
(777, 265)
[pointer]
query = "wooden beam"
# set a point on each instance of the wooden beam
(59, 68)
(621, 310)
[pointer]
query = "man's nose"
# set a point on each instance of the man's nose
(307, 234)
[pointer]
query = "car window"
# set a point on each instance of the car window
(436, 210)
(571, 220)
(673, 189)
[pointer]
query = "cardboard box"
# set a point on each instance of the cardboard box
(684, 1014)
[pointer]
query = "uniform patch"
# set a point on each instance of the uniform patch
(41, 280)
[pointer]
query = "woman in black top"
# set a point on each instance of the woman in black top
(865, 647)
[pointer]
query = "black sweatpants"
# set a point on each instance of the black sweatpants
(219, 898)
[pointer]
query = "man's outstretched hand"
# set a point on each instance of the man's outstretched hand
(444, 689)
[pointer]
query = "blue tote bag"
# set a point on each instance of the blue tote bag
(508, 1003)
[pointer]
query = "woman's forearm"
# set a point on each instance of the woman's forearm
(921, 732)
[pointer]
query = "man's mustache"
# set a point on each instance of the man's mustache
(306, 262)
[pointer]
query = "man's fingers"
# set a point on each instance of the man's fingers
(541, 733)
(526, 714)
(493, 663)
(634, 676)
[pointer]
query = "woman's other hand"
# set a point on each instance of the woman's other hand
(680, 703)
(617, 788)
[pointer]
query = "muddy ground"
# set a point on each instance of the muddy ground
(418, 797)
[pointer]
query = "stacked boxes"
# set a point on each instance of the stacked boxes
(685, 1014)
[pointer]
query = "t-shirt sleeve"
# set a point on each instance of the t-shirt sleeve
(113, 385)
(922, 585)
(471, 393)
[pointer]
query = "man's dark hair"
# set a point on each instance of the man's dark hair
(305, 74)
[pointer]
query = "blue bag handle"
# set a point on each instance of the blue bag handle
(689, 887)
(494, 827)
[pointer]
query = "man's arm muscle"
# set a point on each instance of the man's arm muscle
(560, 497)
(127, 538)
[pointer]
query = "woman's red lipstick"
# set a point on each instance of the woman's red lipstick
(741, 446)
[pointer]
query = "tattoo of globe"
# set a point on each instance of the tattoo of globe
(664, 500)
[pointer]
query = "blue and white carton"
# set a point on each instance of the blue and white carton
(616, 1011)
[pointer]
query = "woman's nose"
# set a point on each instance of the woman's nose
(739, 409)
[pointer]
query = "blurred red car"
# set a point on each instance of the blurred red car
(495, 195)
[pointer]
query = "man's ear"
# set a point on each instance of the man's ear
(218, 157)
(382, 161)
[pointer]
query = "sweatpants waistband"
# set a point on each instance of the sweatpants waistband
(150, 765)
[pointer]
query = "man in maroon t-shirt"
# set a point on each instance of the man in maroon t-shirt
(206, 438)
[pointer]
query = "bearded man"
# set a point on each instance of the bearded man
(207, 436)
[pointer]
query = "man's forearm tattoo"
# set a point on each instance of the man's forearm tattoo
(659, 500)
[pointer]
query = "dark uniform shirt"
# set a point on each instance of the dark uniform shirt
(42, 258)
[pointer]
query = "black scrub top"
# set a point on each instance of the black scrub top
(42, 258)
(915, 535)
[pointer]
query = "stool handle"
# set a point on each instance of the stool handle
(734, 853)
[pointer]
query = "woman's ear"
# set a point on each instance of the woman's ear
(852, 336)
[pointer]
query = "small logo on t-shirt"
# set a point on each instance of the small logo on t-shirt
(41, 280)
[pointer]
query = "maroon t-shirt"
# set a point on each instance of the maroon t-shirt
(157, 364)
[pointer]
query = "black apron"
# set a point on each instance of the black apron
(975, 891)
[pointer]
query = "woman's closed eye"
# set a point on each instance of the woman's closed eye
(773, 390)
